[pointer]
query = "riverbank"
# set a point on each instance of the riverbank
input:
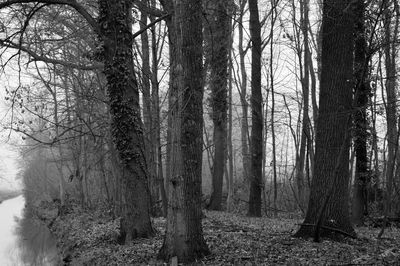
(8, 194)
(84, 237)
(90, 238)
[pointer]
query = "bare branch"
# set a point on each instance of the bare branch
(42, 58)
(142, 6)
(150, 25)
(72, 3)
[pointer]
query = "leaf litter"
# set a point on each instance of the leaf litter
(238, 240)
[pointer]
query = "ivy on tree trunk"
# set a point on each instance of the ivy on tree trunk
(115, 21)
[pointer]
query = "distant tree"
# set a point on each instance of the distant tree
(328, 211)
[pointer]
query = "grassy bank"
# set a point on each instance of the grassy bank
(90, 238)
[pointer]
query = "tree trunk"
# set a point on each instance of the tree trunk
(218, 38)
(184, 234)
(256, 114)
(148, 116)
(328, 203)
(115, 21)
(271, 76)
(359, 205)
(230, 183)
(243, 97)
(173, 94)
(390, 106)
(305, 82)
(156, 134)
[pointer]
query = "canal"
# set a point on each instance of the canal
(24, 240)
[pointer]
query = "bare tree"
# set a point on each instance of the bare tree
(217, 51)
(184, 235)
(328, 212)
(256, 183)
(114, 28)
(361, 96)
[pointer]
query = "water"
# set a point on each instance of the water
(23, 240)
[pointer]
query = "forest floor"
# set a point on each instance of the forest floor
(234, 239)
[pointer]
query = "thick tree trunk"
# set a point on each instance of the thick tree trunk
(359, 204)
(184, 235)
(218, 39)
(115, 20)
(328, 203)
(256, 183)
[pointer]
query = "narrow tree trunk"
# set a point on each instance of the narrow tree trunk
(218, 38)
(256, 114)
(305, 82)
(115, 21)
(328, 203)
(271, 75)
(230, 183)
(390, 65)
(265, 140)
(229, 200)
(149, 125)
(175, 75)
(156, 133)
(243, 96)
(359, 205)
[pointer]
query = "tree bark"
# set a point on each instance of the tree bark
(273, 135)
(256, 183)
(115, 21)
(149, 125)
(218, 39)
(390, 106)
(184, 235)
(328, 203)
(305, 82)
(156, 134)
(243, 96)
(230, 183)
(359, 204)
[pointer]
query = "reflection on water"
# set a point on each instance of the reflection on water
(24, 241)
